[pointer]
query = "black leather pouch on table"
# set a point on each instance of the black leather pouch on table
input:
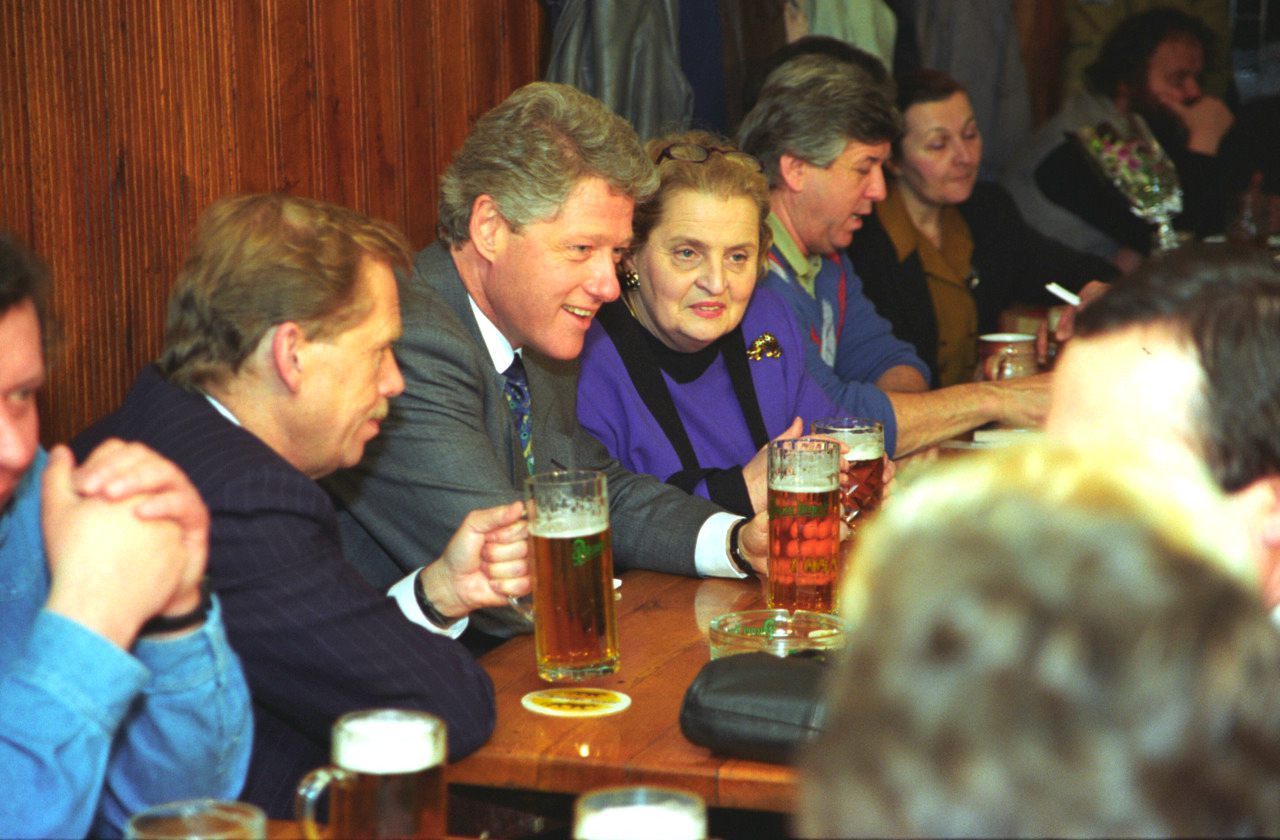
(755, 705)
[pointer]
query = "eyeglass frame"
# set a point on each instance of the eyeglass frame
(728, 154)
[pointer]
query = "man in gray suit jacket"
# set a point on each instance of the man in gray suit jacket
(535, 213)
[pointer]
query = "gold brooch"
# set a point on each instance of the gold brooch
(764, 347)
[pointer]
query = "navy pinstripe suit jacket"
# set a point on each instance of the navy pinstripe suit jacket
(316, 640)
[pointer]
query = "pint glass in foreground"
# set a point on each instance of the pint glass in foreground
(387, 779)
(804, 524)
(639, 813)
(575, 632)
(862, 486)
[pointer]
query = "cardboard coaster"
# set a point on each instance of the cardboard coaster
(576, 702)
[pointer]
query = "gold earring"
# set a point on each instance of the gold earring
(630, 278)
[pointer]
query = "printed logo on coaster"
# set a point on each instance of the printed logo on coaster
(575, 702)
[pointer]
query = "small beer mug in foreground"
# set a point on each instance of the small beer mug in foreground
(862, 486)
(804, 524)
(575, 631)
(387, 779)
(638, 813)
(198, 819)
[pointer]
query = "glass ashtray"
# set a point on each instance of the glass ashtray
(780, 632)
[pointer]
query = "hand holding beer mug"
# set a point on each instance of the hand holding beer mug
(387, 779)
(862, 482)
(804, 524)
(575, 631)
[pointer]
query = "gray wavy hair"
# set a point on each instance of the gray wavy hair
(530, 151)
(811, 107)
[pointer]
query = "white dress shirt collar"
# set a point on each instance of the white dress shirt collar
(500, 350)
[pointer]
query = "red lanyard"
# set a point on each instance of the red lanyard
(842, 292)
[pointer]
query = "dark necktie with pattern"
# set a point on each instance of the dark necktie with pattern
(517, 391)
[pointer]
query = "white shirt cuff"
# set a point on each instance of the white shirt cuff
(404, 595)
(710, 555)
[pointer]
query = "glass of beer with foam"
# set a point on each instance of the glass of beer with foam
(862, 483)
(575, 631)
(387, 778)
(804, 524)
(638, 813)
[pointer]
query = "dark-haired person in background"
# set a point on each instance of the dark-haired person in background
(945, 253)
(1149, 67)
(118, 689)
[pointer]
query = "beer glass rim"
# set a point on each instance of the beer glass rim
(847, 423)
(643, 795)
(564, 477)
(231, 809)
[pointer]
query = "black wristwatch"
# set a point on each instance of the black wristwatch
(429, 610)
(735, 549)
(173, 623)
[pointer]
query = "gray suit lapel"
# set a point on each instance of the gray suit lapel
(436, 268)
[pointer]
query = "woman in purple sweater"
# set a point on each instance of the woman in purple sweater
(692, 371)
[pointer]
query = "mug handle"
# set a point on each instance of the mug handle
(523, 605)
(309, 789)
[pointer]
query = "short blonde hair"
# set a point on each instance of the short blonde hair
(1046, 643)
(257, 261)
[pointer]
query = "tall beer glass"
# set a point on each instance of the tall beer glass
(804, 524)
(387, 779)
(862, 485)
(575, 632)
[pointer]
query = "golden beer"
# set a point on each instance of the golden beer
(804, 548)
(575, 631)
(864, 488)
(375, 806)
(387, 778)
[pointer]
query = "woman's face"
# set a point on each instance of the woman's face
(941, 151)
(698, 269)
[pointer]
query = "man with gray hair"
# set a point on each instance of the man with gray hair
(535, 214)
(822, 133)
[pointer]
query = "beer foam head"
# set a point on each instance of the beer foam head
(388, 741)
(640, 822)
(805, 481)
(569, 523)
(862, 449)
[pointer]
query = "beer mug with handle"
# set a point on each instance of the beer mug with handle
(575, 630)
(804, 524)
(387, 778)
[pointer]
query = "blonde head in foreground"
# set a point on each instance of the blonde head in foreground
(1051, 643)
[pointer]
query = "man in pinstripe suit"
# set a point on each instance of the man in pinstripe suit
(277, 370)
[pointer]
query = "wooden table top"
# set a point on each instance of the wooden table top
(662, 627)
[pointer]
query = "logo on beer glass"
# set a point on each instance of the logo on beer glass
(804, 524)
(387, 778)
(574, 628)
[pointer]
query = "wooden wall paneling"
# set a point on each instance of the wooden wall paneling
(456, 104)
(121, 120)
(342, 112)
(257, 146)
(380, 147)
(15, 126)
(291, 93)
(422, 109)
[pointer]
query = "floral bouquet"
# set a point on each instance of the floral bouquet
(1142, 172)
